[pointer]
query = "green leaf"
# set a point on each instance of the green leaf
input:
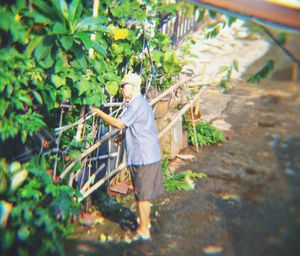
(228, 75)
(235, 65)
(66, 42)
(223, 69)
(47, 62)
(76, 167)
(5, 20)
(26, 99)
(230, 20)
(111, 77)
(85, 38)
(7, 239)
(140, 15)
(23, 233)
(39, 18)
(73, 10)
(20, 4)
(83, 86)
(80, 55)
(223, 83)
(59, 29)
(262, 73)
(282, 38)
(18, 178)
(33, 44)
(117, 48)
(171, 64)
(57, 80)
(98, 48)
(112, 87)
(157, 56)
(91, 24)
(42, 6)
(64, 8)
(38, 97)
(213, 32)
(100, 65)
(211, 14)
(43, 52)
(66, 93)
(9, 89)
(61, 62)
(92, 99)
(75, 155)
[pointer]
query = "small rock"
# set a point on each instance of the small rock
(249, 103)
(185, 157)
(290, 171)
(250, 171)
(228, 196)
(221, 125)
(268, 123)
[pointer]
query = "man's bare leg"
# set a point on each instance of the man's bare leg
(144, 210)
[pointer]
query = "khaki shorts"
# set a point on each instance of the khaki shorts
(147, 181)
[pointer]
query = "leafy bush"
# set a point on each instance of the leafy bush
(45, 61)
(206, 134)
(179, 181)
(21, 83)
(182, 180)
(34, 210)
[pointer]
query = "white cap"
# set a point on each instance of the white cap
(133, 79)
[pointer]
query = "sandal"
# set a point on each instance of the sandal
(135, 237)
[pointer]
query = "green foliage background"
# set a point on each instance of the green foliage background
(45, 62)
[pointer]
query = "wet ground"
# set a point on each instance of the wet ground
(250, 202)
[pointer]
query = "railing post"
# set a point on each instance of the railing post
(175, 31)
(295, 68)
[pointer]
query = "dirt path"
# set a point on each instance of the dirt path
(249, 204)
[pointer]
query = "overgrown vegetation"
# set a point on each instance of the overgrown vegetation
(206, 134)
(46, 61)
(34, 209)
(184, 180)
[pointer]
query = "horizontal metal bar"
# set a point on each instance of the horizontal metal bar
(103, 156)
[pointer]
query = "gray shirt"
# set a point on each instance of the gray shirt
(141, 136)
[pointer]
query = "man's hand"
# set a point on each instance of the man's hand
(115, 122)
(118, 139)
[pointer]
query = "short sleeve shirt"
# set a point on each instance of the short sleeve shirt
(141, 136)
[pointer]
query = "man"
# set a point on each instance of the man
(142, 149)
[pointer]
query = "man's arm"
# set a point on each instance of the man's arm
(115, 122)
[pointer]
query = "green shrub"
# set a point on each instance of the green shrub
(34, 209)
(206, 134)
(179, 181)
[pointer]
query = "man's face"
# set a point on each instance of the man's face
(126, 90)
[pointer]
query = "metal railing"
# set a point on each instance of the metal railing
(178, 26)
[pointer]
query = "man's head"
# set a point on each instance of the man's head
(130, 85)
